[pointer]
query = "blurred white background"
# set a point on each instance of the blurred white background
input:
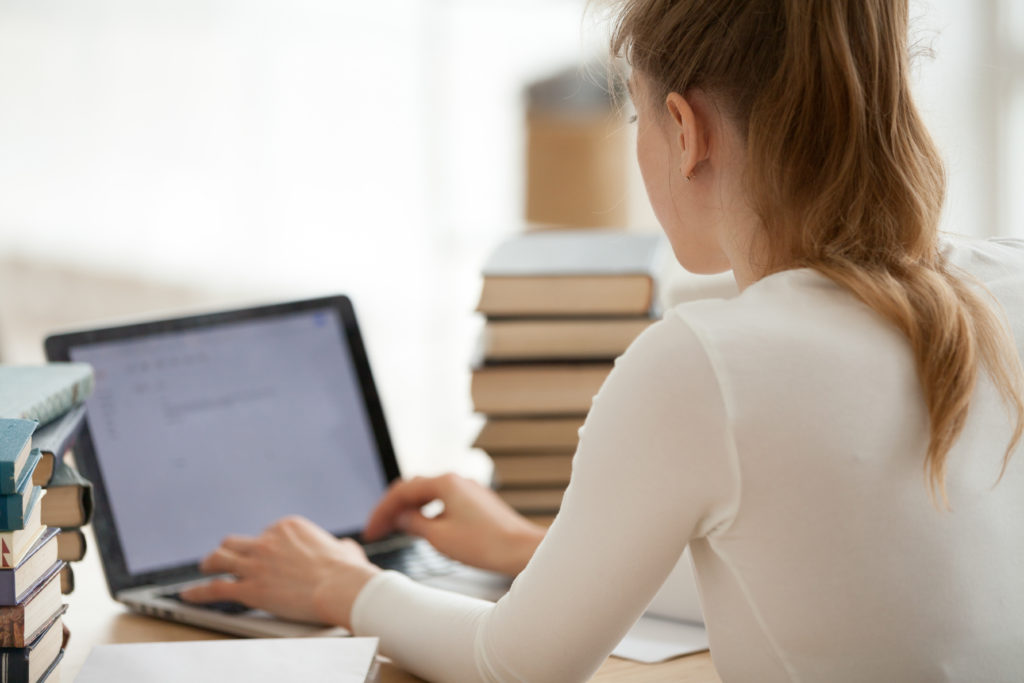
(253, 150)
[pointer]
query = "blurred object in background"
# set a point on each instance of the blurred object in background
(39, 298)
(576, 142)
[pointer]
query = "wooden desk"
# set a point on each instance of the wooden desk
(94, 618)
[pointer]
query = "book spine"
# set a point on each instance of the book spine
(8, 594)
(13, 667)
(12, 630)
(8, 482)
(6, 554)
(12, 513)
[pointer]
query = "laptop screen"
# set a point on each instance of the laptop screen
(222, 429)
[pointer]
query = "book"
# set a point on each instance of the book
(71, 545)
(254, 660)
(560, 338)
(24, 622)
(44, 469)
(14, 506)
(55, 440)
(52, 675)
(28, 663)
(537, 389)
(573, 273)
(14, 543)
(68, 499)
(543, 519)
(533, 500)
(532, 469)
(518, 434)
(15, 452)
(43, 392)
(38, 565)
(67, 579)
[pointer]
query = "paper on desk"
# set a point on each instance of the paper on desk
(270, 660)
(654, 640)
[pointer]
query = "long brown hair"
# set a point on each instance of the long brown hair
(841, 171)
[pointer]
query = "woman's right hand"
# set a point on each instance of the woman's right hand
(476, 527)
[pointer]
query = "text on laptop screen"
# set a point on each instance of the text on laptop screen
(222, 430)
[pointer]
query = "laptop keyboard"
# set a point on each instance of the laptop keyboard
(225, 606)
(418, 560)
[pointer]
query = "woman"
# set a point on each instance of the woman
(834, 444)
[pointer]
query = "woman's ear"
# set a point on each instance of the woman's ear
(691, 132)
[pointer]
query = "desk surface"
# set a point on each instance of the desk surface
(94, 618)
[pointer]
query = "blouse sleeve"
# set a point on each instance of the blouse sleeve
(654, 468)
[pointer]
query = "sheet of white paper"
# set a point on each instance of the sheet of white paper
(656, 640)
(311, 660)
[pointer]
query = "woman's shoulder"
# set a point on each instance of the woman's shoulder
(785, 302)
(795, 322)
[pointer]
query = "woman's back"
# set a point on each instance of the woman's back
(836, 556)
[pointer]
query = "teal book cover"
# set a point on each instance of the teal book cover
(13, 542)
(15, 452)
(43, 392)
(14, 507)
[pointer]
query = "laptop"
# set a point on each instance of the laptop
(217, 424)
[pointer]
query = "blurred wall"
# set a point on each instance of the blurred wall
(274, 148)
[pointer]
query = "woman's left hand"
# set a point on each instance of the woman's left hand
(294, 569)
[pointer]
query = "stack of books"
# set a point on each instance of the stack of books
(32, 633)
(67, 504)
(559, 307)
(54, 395)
